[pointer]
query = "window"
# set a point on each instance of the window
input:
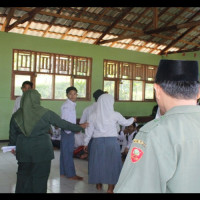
(51, 74)
(129, 81)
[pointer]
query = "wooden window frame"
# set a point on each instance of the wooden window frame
(118, 76)
(52, 71)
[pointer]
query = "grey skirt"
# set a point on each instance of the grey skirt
(104, 161)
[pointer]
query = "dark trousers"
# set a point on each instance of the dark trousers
(32, 177)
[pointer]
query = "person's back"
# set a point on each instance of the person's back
(105, 158)
(29, 131)
(171, 155)
(164, 154)
(186, 141)
(87, 112)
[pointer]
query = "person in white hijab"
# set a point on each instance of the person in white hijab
(105, 158)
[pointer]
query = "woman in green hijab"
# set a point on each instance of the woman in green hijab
(29, 128)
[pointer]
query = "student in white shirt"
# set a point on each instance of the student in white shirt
(26, 85)
(130, 133)
(105, 157)
(55, 136)
(121, 137)
(88, 110)
(68, 113)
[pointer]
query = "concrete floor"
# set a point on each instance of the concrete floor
(56, 184)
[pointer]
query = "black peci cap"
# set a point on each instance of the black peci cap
(177, 70)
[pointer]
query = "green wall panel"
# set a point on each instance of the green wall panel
(10, 41)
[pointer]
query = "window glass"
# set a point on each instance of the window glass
(19, 79)
(136, 80)
(109, 86)
(149, 91)
(124, 90)
(61, 84)
(80, 85)
(51, 73)
(137, 90)
(44, 85)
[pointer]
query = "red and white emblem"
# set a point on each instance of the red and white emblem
(136, 154)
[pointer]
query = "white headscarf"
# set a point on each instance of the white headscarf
(104, 112)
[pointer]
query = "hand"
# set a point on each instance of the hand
(84, 125)
(85, 148)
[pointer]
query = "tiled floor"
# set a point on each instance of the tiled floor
(56, 184)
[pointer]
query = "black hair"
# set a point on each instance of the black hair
(97, 94)
(71, 88)
(180, 89)
(27, 83)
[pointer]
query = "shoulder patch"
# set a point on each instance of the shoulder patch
(136, 154)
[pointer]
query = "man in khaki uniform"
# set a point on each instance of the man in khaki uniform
(165, 155)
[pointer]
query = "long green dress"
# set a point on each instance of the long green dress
(29, 128)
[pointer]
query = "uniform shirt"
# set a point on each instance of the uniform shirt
(164, 156)
(110, 131)
(38, 146)
(87, 112)
(17, 104)
(68, 112)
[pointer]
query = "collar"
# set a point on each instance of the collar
(183, 109)
(71, 102)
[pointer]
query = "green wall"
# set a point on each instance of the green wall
(10, 41)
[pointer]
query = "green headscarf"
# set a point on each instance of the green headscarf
(30, 111)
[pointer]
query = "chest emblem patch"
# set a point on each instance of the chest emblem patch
(136, 154)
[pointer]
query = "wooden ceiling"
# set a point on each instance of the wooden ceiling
(156, 30)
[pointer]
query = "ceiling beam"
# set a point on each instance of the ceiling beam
(159, 15)
(95, 22)
(8, 18)
(174, 27)
(190, 41)
(92, 25)
(184, 51)
(183, 35)
(155, 31)
(176, 40)
(52, 22)
(155, 17)
(137, 19)
(26, 17)
(73, 23)
(121, 16)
